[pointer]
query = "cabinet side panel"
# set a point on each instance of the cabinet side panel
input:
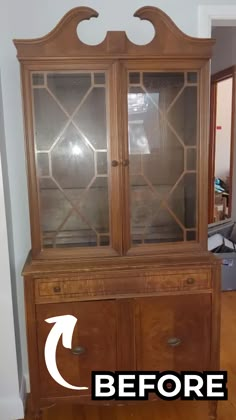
(216, 318)
(32, 342)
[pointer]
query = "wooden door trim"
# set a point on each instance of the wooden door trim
(233, 126)
(114, 172)
(211, 154)
(215, 79)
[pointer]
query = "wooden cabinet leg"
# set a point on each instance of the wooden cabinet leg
(33, 412)
(38, 415)
(212, 410)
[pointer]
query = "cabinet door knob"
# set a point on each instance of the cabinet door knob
(57, 289)
(190, 280)
(78, 350)
(174, 341)
(114, 163)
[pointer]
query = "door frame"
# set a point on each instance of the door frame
(215, 79)
(217, 14)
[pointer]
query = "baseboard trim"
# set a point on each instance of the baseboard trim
(23, 391)
(27, 383)
(11, 408)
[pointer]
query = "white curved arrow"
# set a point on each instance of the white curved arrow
(64, 325)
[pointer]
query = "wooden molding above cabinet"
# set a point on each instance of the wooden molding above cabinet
(63, 42)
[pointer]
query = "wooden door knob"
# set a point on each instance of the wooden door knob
(114, 163)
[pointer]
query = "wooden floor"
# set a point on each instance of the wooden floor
(177, 410)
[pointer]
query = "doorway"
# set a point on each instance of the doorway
(221, 145)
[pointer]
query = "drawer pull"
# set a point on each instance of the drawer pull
(78, 350)
(174, 341)
(57, 289)
(190, 280)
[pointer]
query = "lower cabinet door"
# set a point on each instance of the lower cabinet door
(93, 345)
(173, 332)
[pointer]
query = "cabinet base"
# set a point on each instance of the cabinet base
(212, 410)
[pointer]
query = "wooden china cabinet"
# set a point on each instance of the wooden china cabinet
(116, 142)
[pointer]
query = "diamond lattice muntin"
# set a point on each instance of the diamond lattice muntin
(70, 127)
(162, 117)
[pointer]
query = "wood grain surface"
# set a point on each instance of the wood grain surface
(180, 410)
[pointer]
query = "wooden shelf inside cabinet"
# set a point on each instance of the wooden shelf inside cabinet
(116, 141)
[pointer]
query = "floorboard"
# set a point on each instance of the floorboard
(177, 410)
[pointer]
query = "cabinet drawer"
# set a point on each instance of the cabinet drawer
(120, 284)
(50, 288)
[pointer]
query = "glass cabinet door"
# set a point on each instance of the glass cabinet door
(162, 132)
(71, 143)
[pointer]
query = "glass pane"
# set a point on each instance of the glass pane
(43, 164)
(144, 204)
(191, 159)
(164, 228)
(49, 119)
(54, 208)
(38, 79)
(163, 87)
(46, 183)
(183, 116)
(135, 162)
(104, 240)
(72, 160)
(101, 163)
(191, 235)
(99, 79)
(94, 206)
(91, 118)
(76, 231)
(69, 89)
(192, 77)
(134, 78)
(163, 195)
(70, 125)
(161, 153)
(182, 200)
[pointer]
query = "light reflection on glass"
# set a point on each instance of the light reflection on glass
(76, 150)
(137, 105)
(138, 142)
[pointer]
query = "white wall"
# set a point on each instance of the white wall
(223, 135)
(224, 54)
(11, 406)
(29, 19)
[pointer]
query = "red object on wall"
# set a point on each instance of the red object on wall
(219, 127)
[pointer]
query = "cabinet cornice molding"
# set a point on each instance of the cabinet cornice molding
(63, 41)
